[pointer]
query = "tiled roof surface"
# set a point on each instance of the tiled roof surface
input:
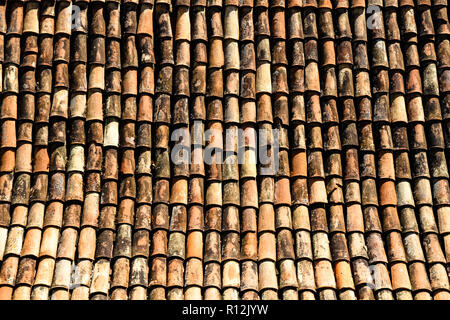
(92, 205)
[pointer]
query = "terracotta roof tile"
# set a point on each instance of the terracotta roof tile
(351, 203)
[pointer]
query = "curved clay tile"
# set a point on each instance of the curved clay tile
(162, 117)
(314, 138)
(13, 208)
